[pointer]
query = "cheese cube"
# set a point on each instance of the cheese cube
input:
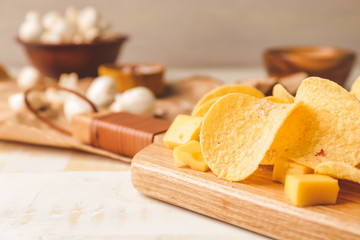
(283, 167)
(191, 155)
(184, 129)
(311, 189)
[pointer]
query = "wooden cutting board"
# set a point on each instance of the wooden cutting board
(257, 203)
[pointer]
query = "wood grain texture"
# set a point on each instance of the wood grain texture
(257, 203)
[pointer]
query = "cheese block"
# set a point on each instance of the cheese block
(190, 154)
(311, 189)
(184, 129)
(283, 167)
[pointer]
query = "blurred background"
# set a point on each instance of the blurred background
(202, 33)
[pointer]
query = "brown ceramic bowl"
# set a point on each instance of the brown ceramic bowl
(130, 75)
(326, 62)
(84, 59)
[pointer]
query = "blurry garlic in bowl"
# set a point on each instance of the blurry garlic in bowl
(77, 41)
(31, 29)
(138, 100)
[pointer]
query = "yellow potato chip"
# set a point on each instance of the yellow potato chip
(355, 88)
(203, 108)
(237, 132)
(275, 99)
(331, 122)
(270, 157)
(339, 170)
(280, 92)
(223, 90)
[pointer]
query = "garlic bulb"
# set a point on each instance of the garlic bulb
(138, 100)
(102, 91)
(49, 19)
(16, 102)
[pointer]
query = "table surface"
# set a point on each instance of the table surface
(48, 193)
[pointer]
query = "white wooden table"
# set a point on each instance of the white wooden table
(48, 193)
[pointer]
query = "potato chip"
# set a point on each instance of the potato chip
(271, 157)
(275, 99)
(331, 121)
(339, 170)
(280, 92)
(203, 108)
(223, 90)
(355, 88)
(237, 132)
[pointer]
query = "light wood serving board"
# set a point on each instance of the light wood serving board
(257, 203)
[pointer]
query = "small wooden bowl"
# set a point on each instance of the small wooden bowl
(326, 62)
(84, 59)
(132, 75)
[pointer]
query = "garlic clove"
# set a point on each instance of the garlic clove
(75, 105)
(55, 97)
(16, 102)
(63, 29)
(69, 80)
(36, 100)
(30, 30)
(28, 77)
(88, 17)
(50, 38)
(50, 18)
(58, 97)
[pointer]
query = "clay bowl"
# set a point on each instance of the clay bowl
(130, 75)
(84, 59)
(327, 62)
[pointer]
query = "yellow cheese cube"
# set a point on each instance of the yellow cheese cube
(190, 154)
(311, 189)
(283, 167)
(184, 129)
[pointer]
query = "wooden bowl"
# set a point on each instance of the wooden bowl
(130, 75)
(326, 62)
(84, 59)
